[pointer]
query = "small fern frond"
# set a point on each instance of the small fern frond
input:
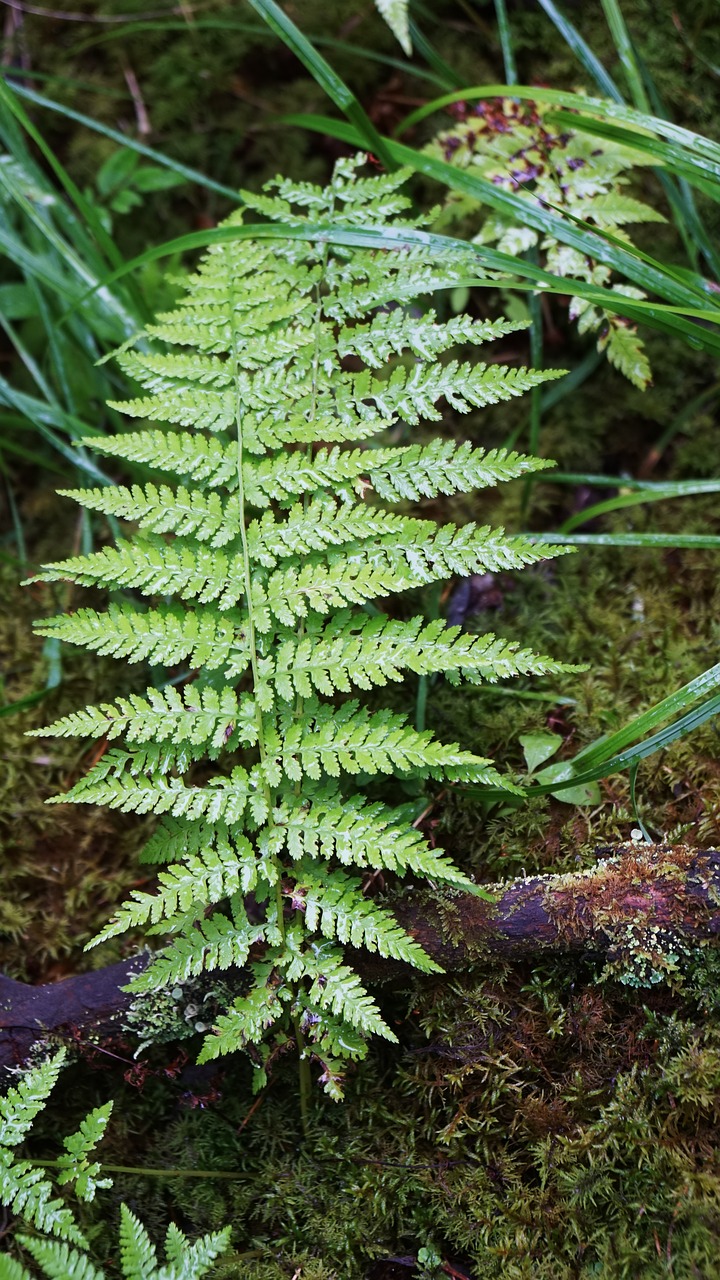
(249, 1017)
(11, 1269)
(335, 907)
(335, 987)
(74, 1163)
(362, 651)
(165, 510)
(60, 1261)
(204, 459)
(137, 1253)
(26, 1190)
(192, 1261)
(206, 717)
(359, 833)
(390, 333)
(395, 13)
(197, 882)
(215, 943)
(167, 635)
(22, 1103)
(326, 740)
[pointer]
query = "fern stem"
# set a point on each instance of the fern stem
(305, 1079)
(144, 1172)
(247, 581)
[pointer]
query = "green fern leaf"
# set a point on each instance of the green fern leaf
(137, 1253)
(626, 352)
(74, 1164)
(21, 1104)
(10, 1269)
(60, 1261)
(206, 460)
(395, 13)
(200, 717)
(191, 1261)
(165, 510)
(197, 882)
(215, 943)
(358, 833)
(334, 986)
(249, 1017)
(335, 907)
(271, 523)
(169, 634)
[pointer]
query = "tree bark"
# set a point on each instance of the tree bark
(641, 909)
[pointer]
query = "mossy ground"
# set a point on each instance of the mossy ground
(537, 1121)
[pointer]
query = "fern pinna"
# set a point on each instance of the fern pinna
(61, 1249)
(280, 353)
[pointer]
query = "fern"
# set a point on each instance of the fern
(395, 13)
(286, 516)
(61, 1251)
(517, 146)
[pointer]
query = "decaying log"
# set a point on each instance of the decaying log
(641, 909)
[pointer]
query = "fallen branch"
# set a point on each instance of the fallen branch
(641, 910)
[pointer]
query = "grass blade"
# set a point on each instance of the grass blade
(124, 140)
(626, 53)
(506, 43)
(656, 493)
(582, 51)
(689, 541)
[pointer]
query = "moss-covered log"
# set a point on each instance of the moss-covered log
(641, 909)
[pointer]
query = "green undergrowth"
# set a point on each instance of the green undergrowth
(535, 1124)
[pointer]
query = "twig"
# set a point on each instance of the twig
(141, 115)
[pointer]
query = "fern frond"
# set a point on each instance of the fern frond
(359, 833)
(333, 1037)
(27, 1191)
(199, 881)
(207, 717)
(203, 410)
(205, 459)
(406, 472)
(270, 520)
(60, 1261)
(165, 510)
(362, 651)
(334, 986)
(22, 1103)
(326, 585)
(249, 1017)
(322, 524)
(325, 740)
(395, 13)
(225, 798)
(137, 1253)
(214, 943)
(335, 907)
(625, 350)
(154, 568)
(391, 332)
(74, 1164)
(168, 634)
(192, 1261)
(615, 209)
(10, 1269)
